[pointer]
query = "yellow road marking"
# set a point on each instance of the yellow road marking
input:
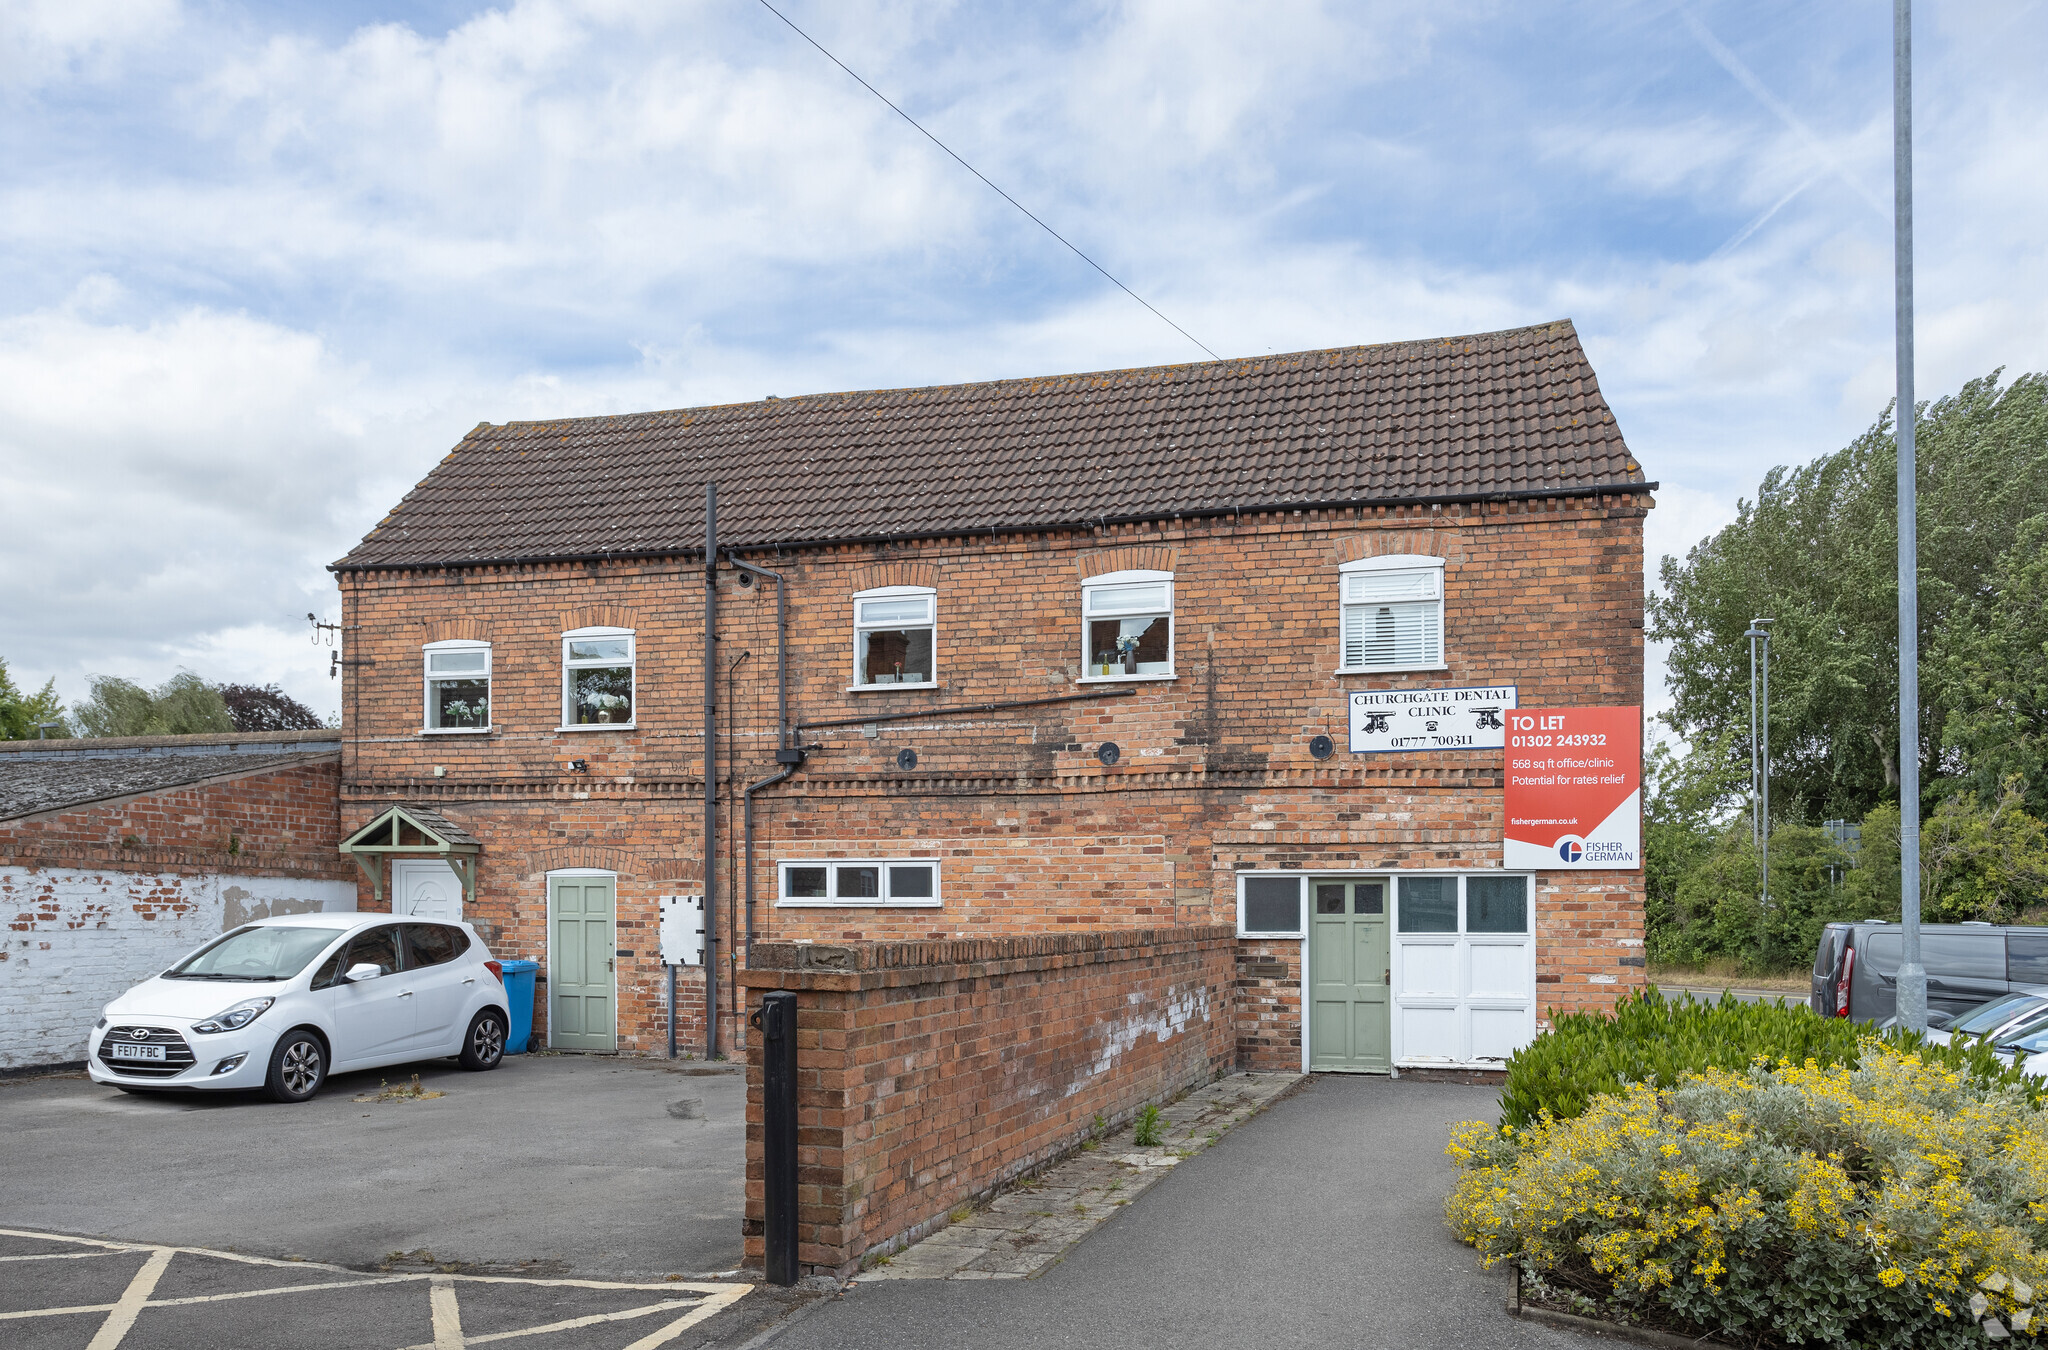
(191, 1299)
(572, 1324)
(57, 1256)
(447, 1314)
(56, 1312)
(129, 1306)
(712, 1305)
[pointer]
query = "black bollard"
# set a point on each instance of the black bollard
(778, 1133)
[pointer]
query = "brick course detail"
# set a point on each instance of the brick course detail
(930, 1073)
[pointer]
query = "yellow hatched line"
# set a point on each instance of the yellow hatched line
(57, 1256)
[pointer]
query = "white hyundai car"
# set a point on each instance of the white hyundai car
(280, 1003)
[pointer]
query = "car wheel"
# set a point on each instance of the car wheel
(484, 1046)
(298, 1066)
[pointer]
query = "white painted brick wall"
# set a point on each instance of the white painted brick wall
(75, 938)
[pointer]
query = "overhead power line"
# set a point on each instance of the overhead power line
(984, 178)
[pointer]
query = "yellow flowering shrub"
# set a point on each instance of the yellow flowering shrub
(1893, 1203)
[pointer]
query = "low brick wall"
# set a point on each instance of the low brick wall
(930, 1073)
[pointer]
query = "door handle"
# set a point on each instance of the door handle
(1387, 977)
(610, 964)
(471, 980)
(406, 994)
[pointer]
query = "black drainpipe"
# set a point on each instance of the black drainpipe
(789, 757)
(710, 770)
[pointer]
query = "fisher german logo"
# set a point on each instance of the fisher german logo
(1573, 850)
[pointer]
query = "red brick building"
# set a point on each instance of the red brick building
(1064, 653)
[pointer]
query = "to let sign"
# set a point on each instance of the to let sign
(1429, 719)
(1574, 788)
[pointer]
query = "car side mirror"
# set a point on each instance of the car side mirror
(363, 970)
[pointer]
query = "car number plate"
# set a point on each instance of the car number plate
(131, 1051)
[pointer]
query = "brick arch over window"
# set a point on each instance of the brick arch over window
(626, 865)
(877, 575)
(676, 869)
(1443, 544)
(454, 630)
(599, 616)
(1130, 558)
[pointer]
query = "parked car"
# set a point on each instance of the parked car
(2016, 1025)
(1855, 969)
(280, 1003)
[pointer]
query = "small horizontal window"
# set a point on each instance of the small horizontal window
(1270, 907)
(884, 881)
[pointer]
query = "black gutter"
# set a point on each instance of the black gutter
(711, 954)
(790, 759)
(1189, 513)
(965, 708)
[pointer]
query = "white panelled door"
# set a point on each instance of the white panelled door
(1464, 969)
(426, 888)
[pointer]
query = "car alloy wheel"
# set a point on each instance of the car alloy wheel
(485, 1045)
(297, 1068)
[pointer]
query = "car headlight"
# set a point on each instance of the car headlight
(235, 1018)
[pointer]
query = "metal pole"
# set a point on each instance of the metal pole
(710, 770)
(671, 1012)
(1763, 717)
(1912, 1001)
(778, 1136)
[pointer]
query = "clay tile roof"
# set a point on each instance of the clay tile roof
(29, 786)
(1515, 412)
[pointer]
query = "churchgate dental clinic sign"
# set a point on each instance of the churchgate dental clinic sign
(1574, 788)
(1429, 719)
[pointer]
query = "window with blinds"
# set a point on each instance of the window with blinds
(1393, 614)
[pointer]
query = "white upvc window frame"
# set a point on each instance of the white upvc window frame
(1300, 929)
(931, 621)
(429, 677)
(1396, 568)
(632, 666)
(833, 900)
(1110, 581)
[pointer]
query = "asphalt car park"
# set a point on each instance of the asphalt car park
(59, 1291)
(564, 1166)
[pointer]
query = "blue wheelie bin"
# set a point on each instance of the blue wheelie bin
(519, 1002)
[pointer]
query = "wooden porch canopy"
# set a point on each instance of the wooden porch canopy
(410, 829)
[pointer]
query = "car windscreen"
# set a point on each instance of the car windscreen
(1991, 1016)
(255, 953)
(2029, 1037)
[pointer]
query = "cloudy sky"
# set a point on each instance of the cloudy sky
(260, 266)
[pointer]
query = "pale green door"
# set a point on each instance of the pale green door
(582, 986)
(1348, 985)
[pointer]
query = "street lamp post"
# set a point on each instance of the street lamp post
(1759, 636)
(1912, 977)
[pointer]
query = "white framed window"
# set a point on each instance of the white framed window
(1270, 907)
(1393, 613)
(890, 882)
(895, 637)
(1127, 626)
(597, 679)
(458, 676)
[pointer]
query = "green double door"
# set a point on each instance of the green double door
(582, 978)
(1350, 990)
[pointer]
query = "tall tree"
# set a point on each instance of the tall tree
(181, 705)
(21, 715)
(267, 708)
(1815, 552)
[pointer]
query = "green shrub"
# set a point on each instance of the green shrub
(1895, 1204)
(1148, 1133)
(1655, 1040)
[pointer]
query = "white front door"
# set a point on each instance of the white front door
(427, 888)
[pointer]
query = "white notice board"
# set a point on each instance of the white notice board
(1384, 720)
(682, 930)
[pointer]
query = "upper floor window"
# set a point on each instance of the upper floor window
(1393, 613)
(1127, 625)
(458, 686)
(597, 678)
(894, 634)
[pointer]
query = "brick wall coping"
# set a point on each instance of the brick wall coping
(208, 743)
(849, 966)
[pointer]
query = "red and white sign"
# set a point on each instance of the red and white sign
(1574, 788)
